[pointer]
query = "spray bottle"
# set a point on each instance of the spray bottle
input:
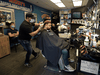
(86, 41)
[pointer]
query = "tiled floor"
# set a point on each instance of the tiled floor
(13, 64)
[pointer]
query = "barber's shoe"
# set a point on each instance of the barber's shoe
(68, 68)
(71, 60)
(28, 65)
(37, 55)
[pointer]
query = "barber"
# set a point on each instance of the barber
(25, 34)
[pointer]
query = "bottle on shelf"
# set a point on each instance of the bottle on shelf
(94, 42)
(86, 41)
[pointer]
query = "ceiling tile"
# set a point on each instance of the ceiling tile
(47, 4)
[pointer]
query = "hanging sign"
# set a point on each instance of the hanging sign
(16, 4)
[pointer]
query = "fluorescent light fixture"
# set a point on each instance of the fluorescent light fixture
(60, 5)
(76, 0)
(77, 3)
(56, 1)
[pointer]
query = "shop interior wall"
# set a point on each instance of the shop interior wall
(19, 16)
(82, 10)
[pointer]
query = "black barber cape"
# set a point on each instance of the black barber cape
(51, 45)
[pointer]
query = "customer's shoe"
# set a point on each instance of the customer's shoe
(68, 68)
(37, 55)
(28, 65)
(71, 60)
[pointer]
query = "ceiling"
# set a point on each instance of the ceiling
(47, 4)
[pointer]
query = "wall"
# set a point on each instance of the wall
(19, 16)
(79, 9)
(39, 13)
(83, 8)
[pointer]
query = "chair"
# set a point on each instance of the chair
(52, 67)
(14, 44)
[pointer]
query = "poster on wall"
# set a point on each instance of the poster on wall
(8, 16)
(4, 18)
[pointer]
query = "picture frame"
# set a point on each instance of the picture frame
(6, 16)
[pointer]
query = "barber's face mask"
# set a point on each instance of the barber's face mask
(13, 26)
(32, 20)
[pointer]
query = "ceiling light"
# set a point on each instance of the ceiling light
(60, 5)
(76, 0)
(56, 1)
(77, 3)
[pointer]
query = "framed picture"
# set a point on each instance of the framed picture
(6, 16)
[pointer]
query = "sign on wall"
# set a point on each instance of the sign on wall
(16, 4)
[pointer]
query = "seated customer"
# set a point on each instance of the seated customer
(13, 33)
(62, 28)
(53, 47)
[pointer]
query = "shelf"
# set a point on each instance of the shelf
(65, 19)
(66, 14)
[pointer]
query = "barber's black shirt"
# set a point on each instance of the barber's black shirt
(12, 31)
(24, 30)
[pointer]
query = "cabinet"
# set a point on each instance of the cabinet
(1, 31)
(4, 46)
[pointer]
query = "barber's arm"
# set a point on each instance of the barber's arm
(35, 24)
(35, 32)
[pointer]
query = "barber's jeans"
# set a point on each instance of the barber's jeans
(65, 57)
(27, 46)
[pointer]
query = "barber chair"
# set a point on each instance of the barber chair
(52, 67)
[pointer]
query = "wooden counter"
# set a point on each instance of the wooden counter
(4, 46)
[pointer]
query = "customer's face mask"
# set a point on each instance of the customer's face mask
(12, 26)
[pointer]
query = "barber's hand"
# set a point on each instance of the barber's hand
(41, 26)
(39, 23)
